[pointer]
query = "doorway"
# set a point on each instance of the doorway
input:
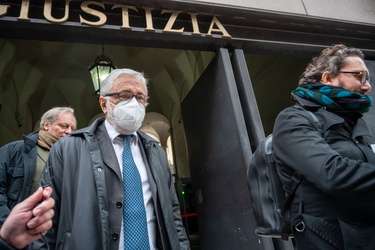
(37, 75)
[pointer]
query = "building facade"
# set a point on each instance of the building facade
(219, 72)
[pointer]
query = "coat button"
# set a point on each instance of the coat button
(114, 236)
(119, 205)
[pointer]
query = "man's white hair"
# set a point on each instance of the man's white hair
(109, 80)
(51, 115)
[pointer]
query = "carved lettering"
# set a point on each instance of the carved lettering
(47, 12)
(125, 14)
(24, 13)
(96, 9)
(171, 21)
(85, 7)
(149, 23)
(4, 9)
(194, 23)
(220, 28)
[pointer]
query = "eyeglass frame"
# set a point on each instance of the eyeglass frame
(132, 96)
(366, 77)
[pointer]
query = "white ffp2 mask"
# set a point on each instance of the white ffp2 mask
(126, 116)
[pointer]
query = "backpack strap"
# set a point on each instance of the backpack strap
(312, 116)
(285, 209)
(296, 179)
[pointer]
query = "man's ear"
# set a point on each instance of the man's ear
(46, 126)
(103, 104)
(326, 78)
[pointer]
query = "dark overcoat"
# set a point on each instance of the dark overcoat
(334, 205)
(87, 186)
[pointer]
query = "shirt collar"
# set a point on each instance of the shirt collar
(113, 134)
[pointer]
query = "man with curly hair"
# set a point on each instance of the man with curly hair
(334, 204)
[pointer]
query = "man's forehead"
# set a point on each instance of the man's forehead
(127, 81)
(64, 116)
(126, 77)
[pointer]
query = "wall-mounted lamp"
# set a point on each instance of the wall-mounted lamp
(100, 69)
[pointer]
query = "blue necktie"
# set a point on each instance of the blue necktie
(135, 222)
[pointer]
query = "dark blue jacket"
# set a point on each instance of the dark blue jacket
(17, 167)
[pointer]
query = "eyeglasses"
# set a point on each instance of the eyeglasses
(362, 75)
(126, 96)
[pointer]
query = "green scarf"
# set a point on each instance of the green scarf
(335, 98)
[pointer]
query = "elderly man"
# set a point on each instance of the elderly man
(21, 162)
(113, 186)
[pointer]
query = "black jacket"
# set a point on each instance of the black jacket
(338, 172)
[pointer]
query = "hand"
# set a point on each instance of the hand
(27, 223)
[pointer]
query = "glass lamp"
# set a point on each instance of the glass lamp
(99, 70)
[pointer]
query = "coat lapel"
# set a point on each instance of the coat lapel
(106, 148)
